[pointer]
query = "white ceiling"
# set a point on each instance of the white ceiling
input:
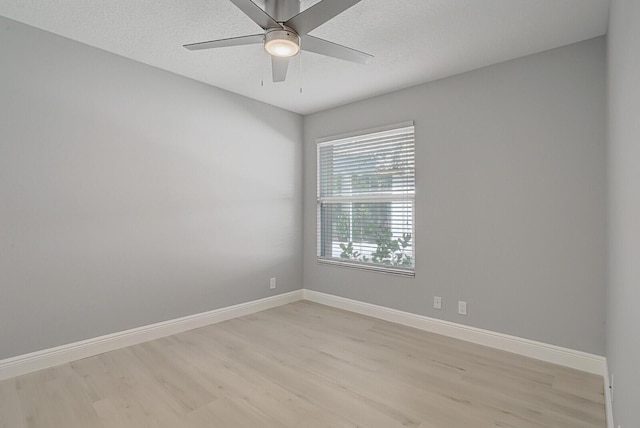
(413, 41)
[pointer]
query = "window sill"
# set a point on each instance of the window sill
(390, 270)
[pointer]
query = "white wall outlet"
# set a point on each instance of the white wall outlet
(462, 307)
(437, 302)
(272, 283)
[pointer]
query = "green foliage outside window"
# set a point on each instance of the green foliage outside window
(388, 252)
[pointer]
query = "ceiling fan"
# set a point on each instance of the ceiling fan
(286, 32)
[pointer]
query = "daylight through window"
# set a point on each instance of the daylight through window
(366, 199)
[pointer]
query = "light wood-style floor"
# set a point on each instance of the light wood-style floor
(309, 366)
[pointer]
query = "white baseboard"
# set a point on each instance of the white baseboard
(39, 360)
(542, 351)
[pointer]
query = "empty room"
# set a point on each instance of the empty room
(319, 213)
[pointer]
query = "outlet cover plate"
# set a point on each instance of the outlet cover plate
(437, 302)
(462, 307)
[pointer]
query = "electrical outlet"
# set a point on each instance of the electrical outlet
(437, 302)
(272, 283)
(462, 307)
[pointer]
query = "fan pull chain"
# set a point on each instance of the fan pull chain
(300, 70)
(262, 71)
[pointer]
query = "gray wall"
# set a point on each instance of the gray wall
(510, 202)
(623, 315)
(130, 195)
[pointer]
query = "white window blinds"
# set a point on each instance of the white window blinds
(366, 199)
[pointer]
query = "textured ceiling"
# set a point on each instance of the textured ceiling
(413, 41)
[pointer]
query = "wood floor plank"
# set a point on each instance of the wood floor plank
(173, 376)
(297, 379)
(230, 413)
(238, 382)
(61, 402)
(10, 411)
(304, 365)
(111, 373)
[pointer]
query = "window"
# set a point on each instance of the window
(366, 199)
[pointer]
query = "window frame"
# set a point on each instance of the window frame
(354, 264)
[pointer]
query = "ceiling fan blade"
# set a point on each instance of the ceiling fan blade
(221, 43)
(279, 68)
(318, 14)
(256, 14)
(324, 47)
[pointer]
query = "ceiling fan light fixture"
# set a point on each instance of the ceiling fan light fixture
(283, 43)
(283, 38)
